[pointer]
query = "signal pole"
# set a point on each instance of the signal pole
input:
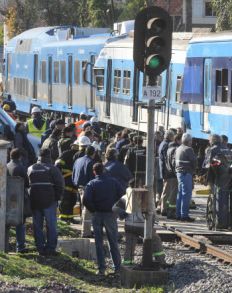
(152, 55)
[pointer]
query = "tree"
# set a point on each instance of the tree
(11, 22)
(223, 10)
(1, 35)
(99, 13)
(131, 9)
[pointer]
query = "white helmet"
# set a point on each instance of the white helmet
(35, 110)
(96, 146)
(94, 119)
(84, 141)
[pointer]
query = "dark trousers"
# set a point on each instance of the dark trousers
(109, 222)
(20, 237)
(67, 204)
(49, 215)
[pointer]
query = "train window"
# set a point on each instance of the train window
(56, 72)
(9, 61)
(77, 71)
(178, 87)
(99, 75)
(222, 86)
(15, 85)
(117, 81)
(84, 69)
(63, 71)
(126, 82)
(43, 71)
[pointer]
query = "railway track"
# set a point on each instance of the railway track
(201, 246)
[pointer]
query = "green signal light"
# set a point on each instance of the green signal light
(154, 62)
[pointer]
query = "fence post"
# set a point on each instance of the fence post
(4, 145)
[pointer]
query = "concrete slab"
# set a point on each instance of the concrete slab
(79, 247)
(132, 277)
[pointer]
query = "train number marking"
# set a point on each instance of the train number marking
(152, 93)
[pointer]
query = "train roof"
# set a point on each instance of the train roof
(35, 38)
(224, 36)
(180, 41)
(88, 41)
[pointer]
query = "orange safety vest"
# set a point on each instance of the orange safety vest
(78, 125)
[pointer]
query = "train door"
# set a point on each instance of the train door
(35, 78)
(108, 87)
(207, 94)
(70, 81)
(50, 80)
(92, 91)
(7, 76)
(135, 94)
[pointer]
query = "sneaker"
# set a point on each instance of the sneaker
(158, 211)
(192, 205)
(52, 253)
(43, 253)
(166, 265)
(187, 219)
(24, 250)
(100, 273)
(116, 273)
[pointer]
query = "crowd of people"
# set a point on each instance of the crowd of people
(100, 169)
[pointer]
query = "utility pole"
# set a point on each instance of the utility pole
(4, 145)
(187, 8)
(113, 11)
(152, 55)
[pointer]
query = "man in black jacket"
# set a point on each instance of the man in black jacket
(16, 168)
(135, 160)
(51, 143)
(100, 195)
(82, 174)
(163, 147)
(171, 174)
(46, 187)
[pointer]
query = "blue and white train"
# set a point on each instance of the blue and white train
(94, 73)
(53, 67)
(119, 85)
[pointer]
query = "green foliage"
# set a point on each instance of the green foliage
(131, 9)
(64, 230)
(1, 35)
(223, 10)
(98, 12)
(61, 12)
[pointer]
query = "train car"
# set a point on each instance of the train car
(44, 61)
(119, 85)
(206, 91)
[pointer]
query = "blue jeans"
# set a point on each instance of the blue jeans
(49, 215)
(184, 195)
(20, 237)
(109, 222)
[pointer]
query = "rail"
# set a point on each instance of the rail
(200, 245)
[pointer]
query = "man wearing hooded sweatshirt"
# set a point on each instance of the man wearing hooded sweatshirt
(46, 187)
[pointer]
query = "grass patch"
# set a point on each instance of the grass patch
(65, 230)
(34, 271)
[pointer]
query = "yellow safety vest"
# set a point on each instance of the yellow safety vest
(35, 131)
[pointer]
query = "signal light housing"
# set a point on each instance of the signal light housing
(152, 40)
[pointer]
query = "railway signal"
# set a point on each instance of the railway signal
(152, 40)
